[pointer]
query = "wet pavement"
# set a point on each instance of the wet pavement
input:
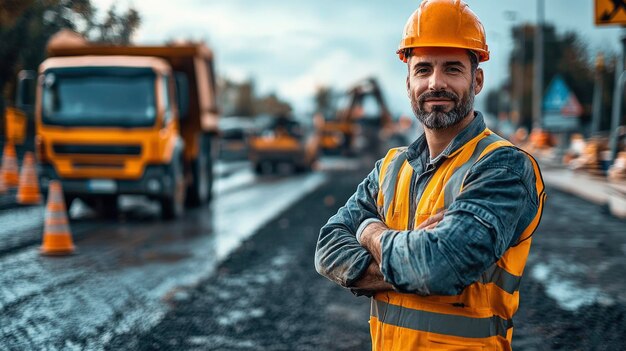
(239, 275)
(125, 271)
(572, 294)
(268, 296)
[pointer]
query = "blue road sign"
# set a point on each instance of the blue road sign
(560, 106)
(556, 95)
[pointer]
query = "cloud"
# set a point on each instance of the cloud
(289, 47)
(336, 68)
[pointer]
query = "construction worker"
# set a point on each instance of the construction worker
(439, 232)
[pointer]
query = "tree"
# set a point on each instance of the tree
(492, 105)
(244, 103)
(117, 28)
(240, 99)
(26, 27)
(565, 54)
(323, 100)
(272, 105)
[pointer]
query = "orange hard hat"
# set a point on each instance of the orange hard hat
(444, 23)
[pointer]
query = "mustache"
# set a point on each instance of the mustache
(437, 94)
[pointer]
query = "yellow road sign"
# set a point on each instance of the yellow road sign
(610, 12)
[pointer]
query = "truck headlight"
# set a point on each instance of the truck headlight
(153, 185)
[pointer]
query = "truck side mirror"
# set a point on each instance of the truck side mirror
(182, 94)
(26, 87)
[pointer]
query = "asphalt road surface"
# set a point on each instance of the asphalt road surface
(239, 275)
(267, 295)
(125, 270)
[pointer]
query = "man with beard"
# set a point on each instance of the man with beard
(439, 232)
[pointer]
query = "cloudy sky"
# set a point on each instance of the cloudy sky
(291, 47)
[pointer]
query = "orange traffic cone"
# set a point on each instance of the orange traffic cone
(28, 191)
(57, 238)
(9, 166)
(3, 187)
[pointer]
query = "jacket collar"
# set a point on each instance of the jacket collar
(419, 152)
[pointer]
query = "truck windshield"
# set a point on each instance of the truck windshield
(99, 96)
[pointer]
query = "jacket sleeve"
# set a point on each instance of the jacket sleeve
(338, 255)
(498, 201)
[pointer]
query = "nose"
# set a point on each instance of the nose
(437, 80)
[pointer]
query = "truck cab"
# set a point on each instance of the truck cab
(115, 120)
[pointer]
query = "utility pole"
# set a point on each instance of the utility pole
(522, 70)
(618, 98)
(597, 95)
(517, 73)
(538, 67)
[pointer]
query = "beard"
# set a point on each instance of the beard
(438, 118)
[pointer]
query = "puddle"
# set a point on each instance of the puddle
(236, 316)
(568, 293)
(222, 341)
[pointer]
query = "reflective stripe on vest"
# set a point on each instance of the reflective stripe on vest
(448, 324)
(503, 279)
(483, 311)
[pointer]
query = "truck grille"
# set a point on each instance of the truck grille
(97, 149)
(82, 165)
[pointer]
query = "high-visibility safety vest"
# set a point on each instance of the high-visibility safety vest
(480, 318)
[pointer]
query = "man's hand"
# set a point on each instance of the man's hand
(432, 221)
(370, 239)
(371, 281)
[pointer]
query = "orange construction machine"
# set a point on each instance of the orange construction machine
(283, 142)
(114, 120)
(361, 126)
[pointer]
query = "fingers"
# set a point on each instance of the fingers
(432, 225)
(432, 221)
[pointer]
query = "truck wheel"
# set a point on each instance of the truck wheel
(104, 206)
(257, 168)
(199, 192)
(67, 198)
(305, 168)
(209, 168)
(173, 205)
(108, 206)
(265, 167)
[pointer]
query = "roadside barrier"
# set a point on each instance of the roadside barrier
(28, 192)
(9, 166)
(57, 238)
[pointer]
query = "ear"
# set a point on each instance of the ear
(408, 87)
(479, 79)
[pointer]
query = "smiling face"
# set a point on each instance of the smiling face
(442, 86)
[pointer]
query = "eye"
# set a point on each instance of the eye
(421, 71)
(455, 69)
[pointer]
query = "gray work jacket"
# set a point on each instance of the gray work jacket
(499, 200)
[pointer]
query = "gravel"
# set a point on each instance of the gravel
(267, 296)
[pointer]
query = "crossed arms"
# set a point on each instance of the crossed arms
(443, 255)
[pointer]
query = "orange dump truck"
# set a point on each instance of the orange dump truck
(113, 120)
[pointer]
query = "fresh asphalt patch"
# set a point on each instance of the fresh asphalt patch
(267, 295)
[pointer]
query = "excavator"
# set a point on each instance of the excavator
(363, 126)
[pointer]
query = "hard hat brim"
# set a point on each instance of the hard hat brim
(483, 55)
